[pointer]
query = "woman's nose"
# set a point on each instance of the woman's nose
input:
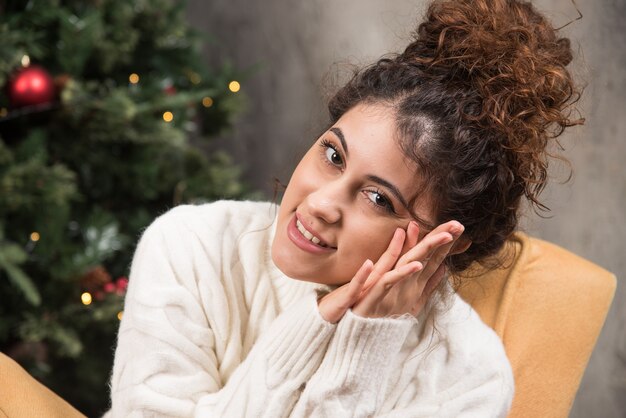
(325, 203)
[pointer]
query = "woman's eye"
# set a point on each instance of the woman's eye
(333, 156)
(379, 199)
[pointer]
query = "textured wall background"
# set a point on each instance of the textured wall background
(297, 43)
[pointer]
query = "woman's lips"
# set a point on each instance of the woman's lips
(301, 242)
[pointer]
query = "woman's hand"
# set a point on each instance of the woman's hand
(402, 279)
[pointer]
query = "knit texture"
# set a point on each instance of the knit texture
(212, 328)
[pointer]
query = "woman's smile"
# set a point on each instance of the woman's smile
(306, 240)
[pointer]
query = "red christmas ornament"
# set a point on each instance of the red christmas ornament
(121, 283)
(31, 86)
(170, 90)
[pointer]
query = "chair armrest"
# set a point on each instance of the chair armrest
(23, 396)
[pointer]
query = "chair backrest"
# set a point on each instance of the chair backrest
(548, 306)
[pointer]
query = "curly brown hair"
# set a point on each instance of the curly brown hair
(477, 96)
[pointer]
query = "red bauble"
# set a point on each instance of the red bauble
(109, 287)
(170, 90)
(31, 86)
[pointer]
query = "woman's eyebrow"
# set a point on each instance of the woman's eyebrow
(339, 134)
(393, 189)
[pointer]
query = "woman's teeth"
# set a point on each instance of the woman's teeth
(308, 235)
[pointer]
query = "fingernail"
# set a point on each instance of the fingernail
(366, 265)
(457, 229)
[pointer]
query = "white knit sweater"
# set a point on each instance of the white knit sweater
(211, 328)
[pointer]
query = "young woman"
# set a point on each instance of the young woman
(339, 304)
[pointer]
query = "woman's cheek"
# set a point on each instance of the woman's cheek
(372, 246)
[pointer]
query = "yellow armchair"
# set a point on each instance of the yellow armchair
(548, 306)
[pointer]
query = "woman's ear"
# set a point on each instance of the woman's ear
(460, 246)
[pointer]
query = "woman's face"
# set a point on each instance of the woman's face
(350, 192)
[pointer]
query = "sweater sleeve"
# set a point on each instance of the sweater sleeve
(353, 379)
(166, 362)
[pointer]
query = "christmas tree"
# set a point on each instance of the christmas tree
(101, 104)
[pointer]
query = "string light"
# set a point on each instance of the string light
(86, 298)
(120, 314)
(234, 86)
(207, 102)
(35, 236)
(25, 61)
(195, 78)
(3, 112)
(133, 78)
(168, 116)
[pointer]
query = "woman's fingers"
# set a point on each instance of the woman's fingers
(386, 290)
(406, 257)
(356, 284)
(436, 252)
(333, 306)
(434, 269)
(371, 299)
(429, 247)
(397, 275)
(432, 284)
(412, 236)
(392, 259)
(393, 252)
(434, 281)
(435, 262)
(389, 258)
(424, 249)
(435, 248)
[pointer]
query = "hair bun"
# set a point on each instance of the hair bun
(510, 55)
(480, 35)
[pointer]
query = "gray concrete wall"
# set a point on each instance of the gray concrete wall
(297, 43)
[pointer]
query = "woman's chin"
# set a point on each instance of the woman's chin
(294, 268)
(293, 273)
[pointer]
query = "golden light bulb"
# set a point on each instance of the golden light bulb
(86, 298)
(207, 102)
(35, 236)
(25, 61)
(195, 78)
(168, 116)
(133, 78)
(119, 315)
(234, 86)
